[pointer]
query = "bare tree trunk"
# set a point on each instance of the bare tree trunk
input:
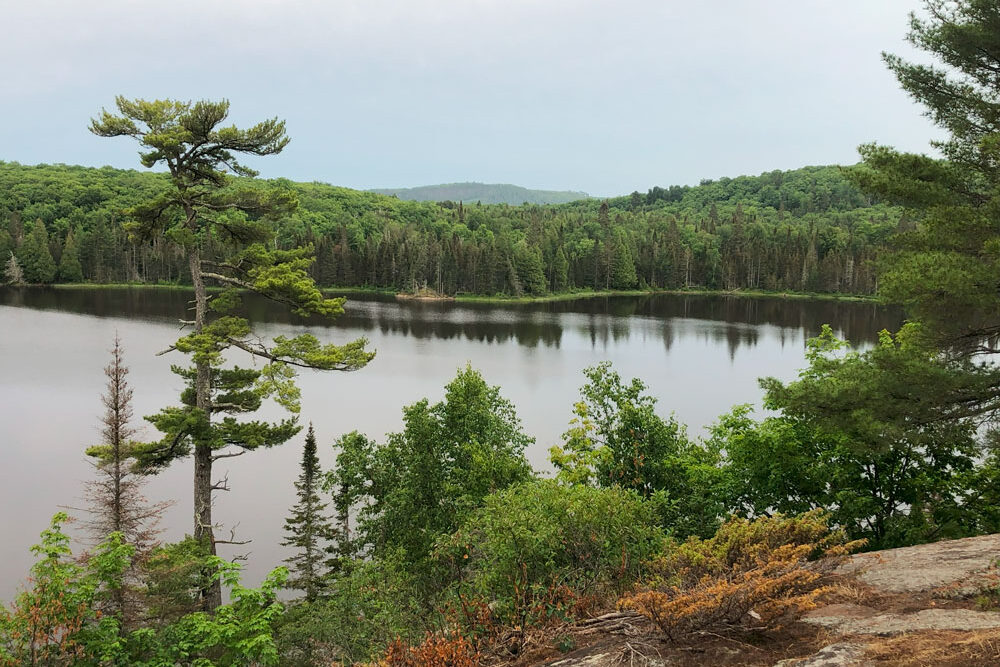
(203, 530)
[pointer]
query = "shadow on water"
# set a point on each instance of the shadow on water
(736, 321)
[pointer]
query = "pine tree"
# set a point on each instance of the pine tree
(69, 264)
(224, 228)
(12, 272)
(36, 259)
(309, 530)
(945, 270)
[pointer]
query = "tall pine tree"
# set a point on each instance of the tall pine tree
(225, 227)
(946, 269)
(309, 530)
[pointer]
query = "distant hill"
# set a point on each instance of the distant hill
(487, 193)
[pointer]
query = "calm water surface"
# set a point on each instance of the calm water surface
(700, 355)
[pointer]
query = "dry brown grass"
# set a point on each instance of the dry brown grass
(851, 591)
(945, 649)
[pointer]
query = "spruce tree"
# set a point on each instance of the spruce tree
(69, 264)
(115, 500)
(622, 269)
(36, 259)
(309, 530)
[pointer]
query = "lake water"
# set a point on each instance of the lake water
(699, 355)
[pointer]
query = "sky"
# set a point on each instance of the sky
(603, 96)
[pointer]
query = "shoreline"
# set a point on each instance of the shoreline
(505, 299)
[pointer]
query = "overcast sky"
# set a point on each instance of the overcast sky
(605, 96)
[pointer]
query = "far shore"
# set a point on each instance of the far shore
(504, 299)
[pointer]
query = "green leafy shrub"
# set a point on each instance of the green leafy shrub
(543, 551)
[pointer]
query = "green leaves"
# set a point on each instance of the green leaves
(57, 619)
(617, 439)
(306, 350)
(421, 482)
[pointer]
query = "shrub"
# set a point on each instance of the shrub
(543, 551)
(437, 650)
(750, 575)
(363, 610)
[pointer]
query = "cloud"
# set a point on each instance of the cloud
(595, 95)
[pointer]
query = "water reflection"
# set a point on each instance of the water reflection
(734, 321)
(699, 356)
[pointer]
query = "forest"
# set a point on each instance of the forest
(439, 545)
(808, 230)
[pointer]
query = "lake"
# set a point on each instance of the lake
(699, 355)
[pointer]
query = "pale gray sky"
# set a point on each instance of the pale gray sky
(606, 96)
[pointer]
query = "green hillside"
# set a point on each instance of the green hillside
(803, 230)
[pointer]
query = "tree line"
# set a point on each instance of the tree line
(804, 230)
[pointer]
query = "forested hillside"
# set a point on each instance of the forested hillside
(485, 193)
(803, 230)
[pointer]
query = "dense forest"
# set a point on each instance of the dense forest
(803, 230)
(485, 193)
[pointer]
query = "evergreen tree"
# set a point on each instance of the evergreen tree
(309, 530)
(36, 260)
(560, 271)
(224, 227)
(622, 269)
(69, 264)
(946, 272)
(12, 272)
(115, 498)
(529, 268)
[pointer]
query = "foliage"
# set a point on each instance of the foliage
(436, 650)
(422, 482)
(239, 633)
(175, 576)
(308, 530)
(224, 228)
(543, 551)
(57, 621)
(35, 256)
(70, 270)
(945, 269)
(756, 232)
(880, 438)
(617, 439)
(759, 574)
(370, 604)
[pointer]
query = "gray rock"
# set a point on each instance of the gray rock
(843, 654)
(963, 564)
(885, 625)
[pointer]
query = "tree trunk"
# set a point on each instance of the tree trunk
(211, 595)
